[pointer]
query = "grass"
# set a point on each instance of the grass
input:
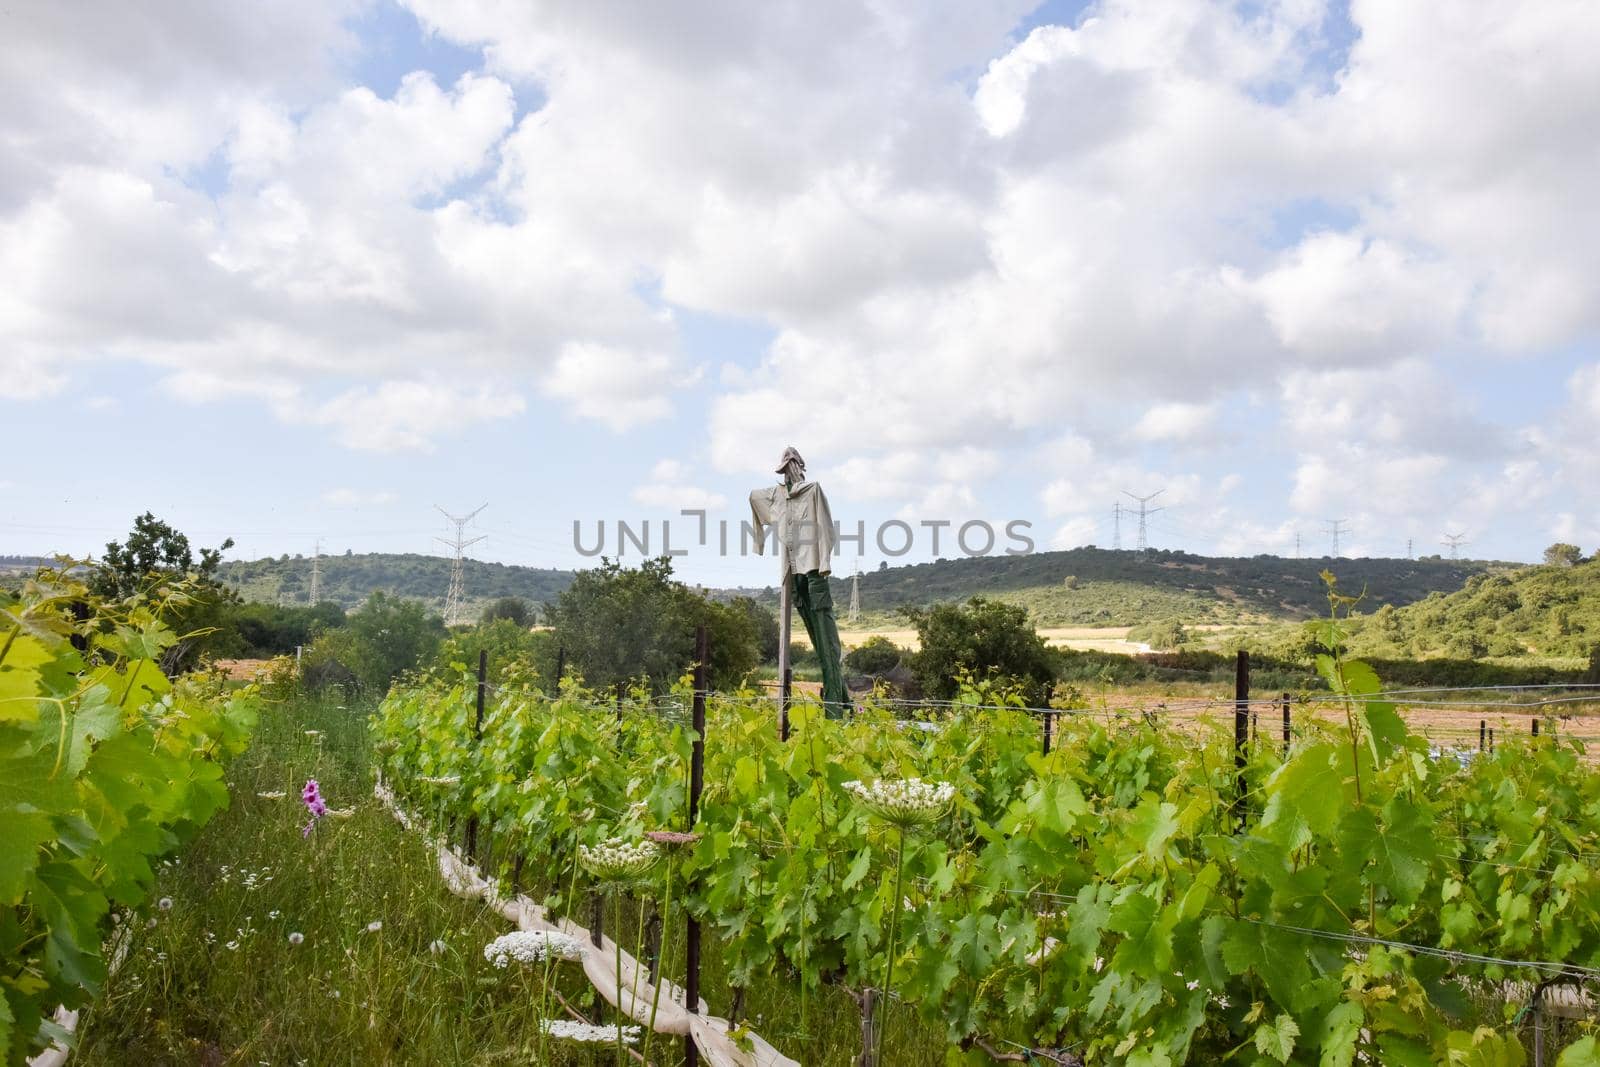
(214, 979)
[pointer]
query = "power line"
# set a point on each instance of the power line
(1144, 512)
(1454, 542)
(452, 599)
(1336, 527)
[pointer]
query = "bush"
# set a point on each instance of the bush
(876, 655)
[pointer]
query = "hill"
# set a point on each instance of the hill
(348, 579)
(1100, 587)
(1550, 610)
(1080, 587)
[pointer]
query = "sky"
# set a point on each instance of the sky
(301, 272)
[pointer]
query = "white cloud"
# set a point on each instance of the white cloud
(408, 415)
(1176, 421)
(670, 487)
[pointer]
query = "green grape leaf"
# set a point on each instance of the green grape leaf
(1399, 849)
(1341, 1030)
(1276, 1039)
(19, 694)
(20, 847)
(1305, 796)
(1582, 1053)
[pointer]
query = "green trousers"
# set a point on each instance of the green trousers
(814, 600)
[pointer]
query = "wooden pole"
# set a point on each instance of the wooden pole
(785, 677)
(1483, 733)
(697, 772)
(1286, 725)
(561, 667)
(1241, 728)
(477, 737)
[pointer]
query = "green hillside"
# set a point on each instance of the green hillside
(1550, 610)
(348, 579)
(1100, 587)
(1081, 587)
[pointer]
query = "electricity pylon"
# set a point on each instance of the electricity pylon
(1335, 528)
(1145, 510)
(452, 599)
(316, 573)
(855, 595)
(1454, 542)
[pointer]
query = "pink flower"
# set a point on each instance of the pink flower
(312, 795)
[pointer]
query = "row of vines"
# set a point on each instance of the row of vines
(1113, 901)
(105, 765)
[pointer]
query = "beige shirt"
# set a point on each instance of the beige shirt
(802, 522)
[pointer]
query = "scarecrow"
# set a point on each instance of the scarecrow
(797, 511)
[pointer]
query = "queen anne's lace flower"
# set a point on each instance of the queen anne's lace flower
(447, 779)
(617, 860)
(572, 1030)
(532, 946)
(904, 801)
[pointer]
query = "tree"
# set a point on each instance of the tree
(622, 625)
(154, 554)
(763, 623)
(513, 608)
(384, 637)
(1563, 554)
(156, 561)
(876, 655)
(986, 638)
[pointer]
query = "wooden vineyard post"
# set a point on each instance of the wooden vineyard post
(1491, 739)
(785, 690)
(561, 667)
(868, 1003)
(1536, 727)
(1286, 726)
(477, 737)
(1241, 728)
(597, 925)
(1483, 732)
(619, 715)
(1049, 715)
(697, 774)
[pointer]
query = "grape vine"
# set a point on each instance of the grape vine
(1100, 899)
(105, 765)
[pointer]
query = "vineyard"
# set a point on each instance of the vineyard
(1132, 896)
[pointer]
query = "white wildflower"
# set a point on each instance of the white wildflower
(437, 947)
(274, 913)
(165, 903)
(232, 946)
(340, 813)
(275, 794)
(616, 859)
(374, 926)
(296, 937)
(572, 1030)
(447, 779)
(531, 946)
(905, 802)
